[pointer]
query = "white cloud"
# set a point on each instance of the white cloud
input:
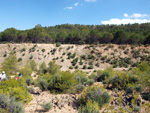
(76, 4)
(117, 21)
(68, 7)
(126, 15)
(90, 0)
(129, 19)
(136, 15)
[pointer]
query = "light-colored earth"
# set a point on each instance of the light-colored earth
(61, 103)
(34, 52)
(64, 103)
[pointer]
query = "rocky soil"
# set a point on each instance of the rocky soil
(94, 54)
(62, 103)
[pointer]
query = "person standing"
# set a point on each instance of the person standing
(2, 76)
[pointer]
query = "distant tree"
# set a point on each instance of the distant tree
(73, 37)
(37, 34)
(48, 39)
(107, 38)
(84, 31)
(94, 36)
(9, 35)
(120, 37)
(79, 34)
(61, 36)
(136, 38)
(0, 36)
(147, 41)
(22, 36)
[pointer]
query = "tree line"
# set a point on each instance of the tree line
(80, 34)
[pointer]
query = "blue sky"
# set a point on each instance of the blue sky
(25, 14)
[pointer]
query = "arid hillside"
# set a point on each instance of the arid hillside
(85, 57)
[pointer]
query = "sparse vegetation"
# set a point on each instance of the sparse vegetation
(23, 50)
(92, 96)
(29, 81)
(9, 105)
(43, 50)
(58, 44)
(19, 59)
(10, 64)
(47, 106)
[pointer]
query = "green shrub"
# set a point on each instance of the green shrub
(98, 96)
(69, 54)
(31, 57)
(16, 88)
(19, 59)
(43, 50)
(31, 90)
(10, 65)
(53, 68)
(133, 79)
(10, 105)
(32, 49)
(5, 54)
(68, 48)
(146, 96)
(62, 60)
(90, 107)
(80, 63)
(97, 64)
(79, 88)
(73, 55)
(43, 84)
(89, 82)
(118, 82)
(94, 93)
(53, 51)
(64, 53)
(129, 90)
(84, 67)
(60, 49)
(20, 94)
(91, 57)
(26, 70)
(24, 49)
(74, 62)
(58, 44)
(23, 54)
(92, 76)
(103, 76)
(90, 67)
(138, 88)
(76, 67)
(83, 57)
(70, 67)
(14, 48)
(90, 62)
(80, 77)
(137, 109)
(62, 82)
(43, 68)
(47, 106)
(29, 81)
(33, 65)
(104, 57)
